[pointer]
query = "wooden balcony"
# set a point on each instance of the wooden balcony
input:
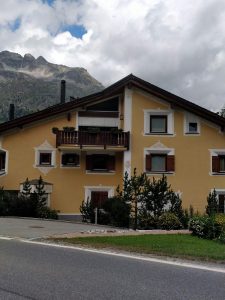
(84, 139)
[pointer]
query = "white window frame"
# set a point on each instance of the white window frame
(89, 189)
(5, 172)
(219, 192)
(158, 148)
(45, 148)
(190, 118)
(158, 112)
(216, 152)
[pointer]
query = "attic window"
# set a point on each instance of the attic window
(108, 105)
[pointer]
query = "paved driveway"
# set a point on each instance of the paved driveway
(34, 228)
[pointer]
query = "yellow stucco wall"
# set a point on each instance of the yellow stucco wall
(68, 183)
(191, 178)
(192, 156)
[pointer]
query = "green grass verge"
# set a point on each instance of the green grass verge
(174, 245)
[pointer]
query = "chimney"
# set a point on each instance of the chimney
(63, 91)
(11, 111)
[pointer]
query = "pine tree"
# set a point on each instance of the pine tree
(26, 189)
(212, 206)
(40, 194)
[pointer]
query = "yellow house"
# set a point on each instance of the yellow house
(82, 148)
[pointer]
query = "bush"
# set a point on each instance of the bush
(220, 219)
(118, 211)
(146, 220)
(87, 211)
(169, 221)
(47, 213)
(205, 227)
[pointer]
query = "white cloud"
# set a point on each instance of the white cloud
(175, 44)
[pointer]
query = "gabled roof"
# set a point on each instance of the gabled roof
(116, 88)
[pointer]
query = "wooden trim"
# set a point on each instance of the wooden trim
(215, 164)
(148, 161)
(170, 163)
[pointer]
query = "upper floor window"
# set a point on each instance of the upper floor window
(192, 124)
(45, 158)
(100, 163)
(70, 160)
(159, 163)
(158, 122)
(218, 164)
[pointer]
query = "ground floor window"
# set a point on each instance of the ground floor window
(100, 163)
(221, 203)
(70, 160)
(2, 161)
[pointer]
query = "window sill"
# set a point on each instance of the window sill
(159, 173)
(46, 166)
(95, 172)
(218, 173)
(160, 134)
(70, 167)
(192, 133)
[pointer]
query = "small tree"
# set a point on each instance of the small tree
(40, 194)
(26, 191)
(212, 204)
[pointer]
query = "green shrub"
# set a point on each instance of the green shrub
(205, 227)
(47, 213)
(146, 220)
(169, 221)
(220, 219)
(221, 238)
(118, 211)
(87, 211)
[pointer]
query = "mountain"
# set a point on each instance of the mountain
(33, 84)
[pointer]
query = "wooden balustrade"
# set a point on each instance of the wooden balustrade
(85, 138)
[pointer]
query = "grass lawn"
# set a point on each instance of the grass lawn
(174, 245)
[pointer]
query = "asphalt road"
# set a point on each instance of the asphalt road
(30, 271)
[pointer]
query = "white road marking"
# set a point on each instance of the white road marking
(5, 238)
(185, 264)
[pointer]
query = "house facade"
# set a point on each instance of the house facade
(82, 148)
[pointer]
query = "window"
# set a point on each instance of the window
(191, 124)
(2, 161)
(70, 160)
(221, 204)
(193, 127)
(218, 164)
(45, 158)
(158, 124)
(159, 163)
(100, 163)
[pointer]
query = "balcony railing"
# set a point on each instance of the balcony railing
(84, 138)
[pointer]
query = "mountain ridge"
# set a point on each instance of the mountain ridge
(33, 83)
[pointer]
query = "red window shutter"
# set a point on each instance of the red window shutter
(170, 163)
(111, 162)
(215, 164)
(89, 162)
(148, 166)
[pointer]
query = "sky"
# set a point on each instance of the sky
(178, 45)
